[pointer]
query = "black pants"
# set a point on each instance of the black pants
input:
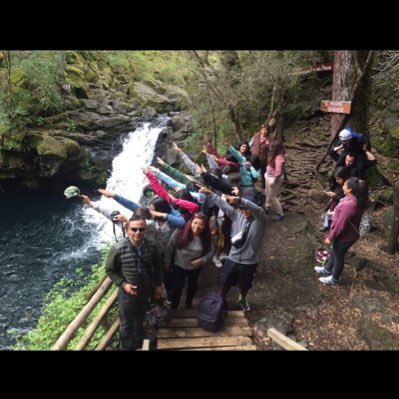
(132, 310)
(335, 263)
(179, 277)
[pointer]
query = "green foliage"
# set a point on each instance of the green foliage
(31, 90)
(168, 66)
(61, 305)
(89, 165)
(71, 125)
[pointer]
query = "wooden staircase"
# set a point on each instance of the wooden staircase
(182, 333)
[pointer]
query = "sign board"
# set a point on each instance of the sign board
(320, 67)
(327, 66)
(338, 107)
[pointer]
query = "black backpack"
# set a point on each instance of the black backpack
(211, 312)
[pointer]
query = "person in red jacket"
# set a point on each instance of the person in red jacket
(344, 230)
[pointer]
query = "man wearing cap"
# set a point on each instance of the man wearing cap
(353, 143)
(134, 265)
(248, 222)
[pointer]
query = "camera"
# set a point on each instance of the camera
(112, 216)
(239, 239)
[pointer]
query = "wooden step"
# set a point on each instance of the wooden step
(207, 342)
(192, 313)
(224, 348)
(200, 332)
(192, 322)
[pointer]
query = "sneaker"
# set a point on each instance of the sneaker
(245, 305)
(322, 271)
(278, 218)
(217, 262)
(323, 252)
(330, 280)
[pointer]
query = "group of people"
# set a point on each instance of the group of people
(183, 222)
(349, 199)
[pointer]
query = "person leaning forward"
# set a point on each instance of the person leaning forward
(134, 265)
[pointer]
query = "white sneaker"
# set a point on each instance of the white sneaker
(330, 280)
(321, 270)
(218, 263)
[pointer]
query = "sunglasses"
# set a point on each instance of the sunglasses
(135, 229)
(199, 215)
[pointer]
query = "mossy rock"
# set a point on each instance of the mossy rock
(377, 337)
(58, 147)
(375, 178)
(12, 141)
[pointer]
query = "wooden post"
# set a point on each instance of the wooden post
(106, 339)
(393, 239)
(70, 331)
(91, 329)
(284, 341)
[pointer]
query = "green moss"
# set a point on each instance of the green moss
(60, 147)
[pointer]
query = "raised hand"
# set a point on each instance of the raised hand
(106, 193)
(160, 161)
(176, 147)
(86, 200)
(235, 190)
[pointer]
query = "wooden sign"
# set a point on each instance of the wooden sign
(338, 107)
(327, 66)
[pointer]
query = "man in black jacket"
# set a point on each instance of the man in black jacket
(134, 265)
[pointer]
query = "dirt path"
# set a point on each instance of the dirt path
(361, 313)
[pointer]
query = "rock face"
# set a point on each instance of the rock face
(78, 145)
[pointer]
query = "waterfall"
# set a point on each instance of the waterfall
(127, 179)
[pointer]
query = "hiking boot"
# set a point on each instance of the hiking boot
(217, 262)
(330, 280)
(278, 218)
(321, 270)
(244, 305)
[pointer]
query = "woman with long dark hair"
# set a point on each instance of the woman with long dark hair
(188, 249)
(336, 193)
(344, 230)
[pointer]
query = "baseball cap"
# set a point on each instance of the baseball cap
(71, 191)
(345, 134)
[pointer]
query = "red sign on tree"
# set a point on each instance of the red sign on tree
(338, 107)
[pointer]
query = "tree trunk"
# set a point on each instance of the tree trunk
(348, 65)
(232, 73)
(393, 239)
(60, 56)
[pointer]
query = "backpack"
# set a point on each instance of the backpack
(210, 312)
(364, 226)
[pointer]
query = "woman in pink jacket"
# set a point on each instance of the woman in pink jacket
(274, 178)
(344, 230)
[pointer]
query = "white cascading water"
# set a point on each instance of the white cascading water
(127, 179)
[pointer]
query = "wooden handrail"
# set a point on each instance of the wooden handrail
(70, 331)
(284, 341)
(91, 329)
(108, 336)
